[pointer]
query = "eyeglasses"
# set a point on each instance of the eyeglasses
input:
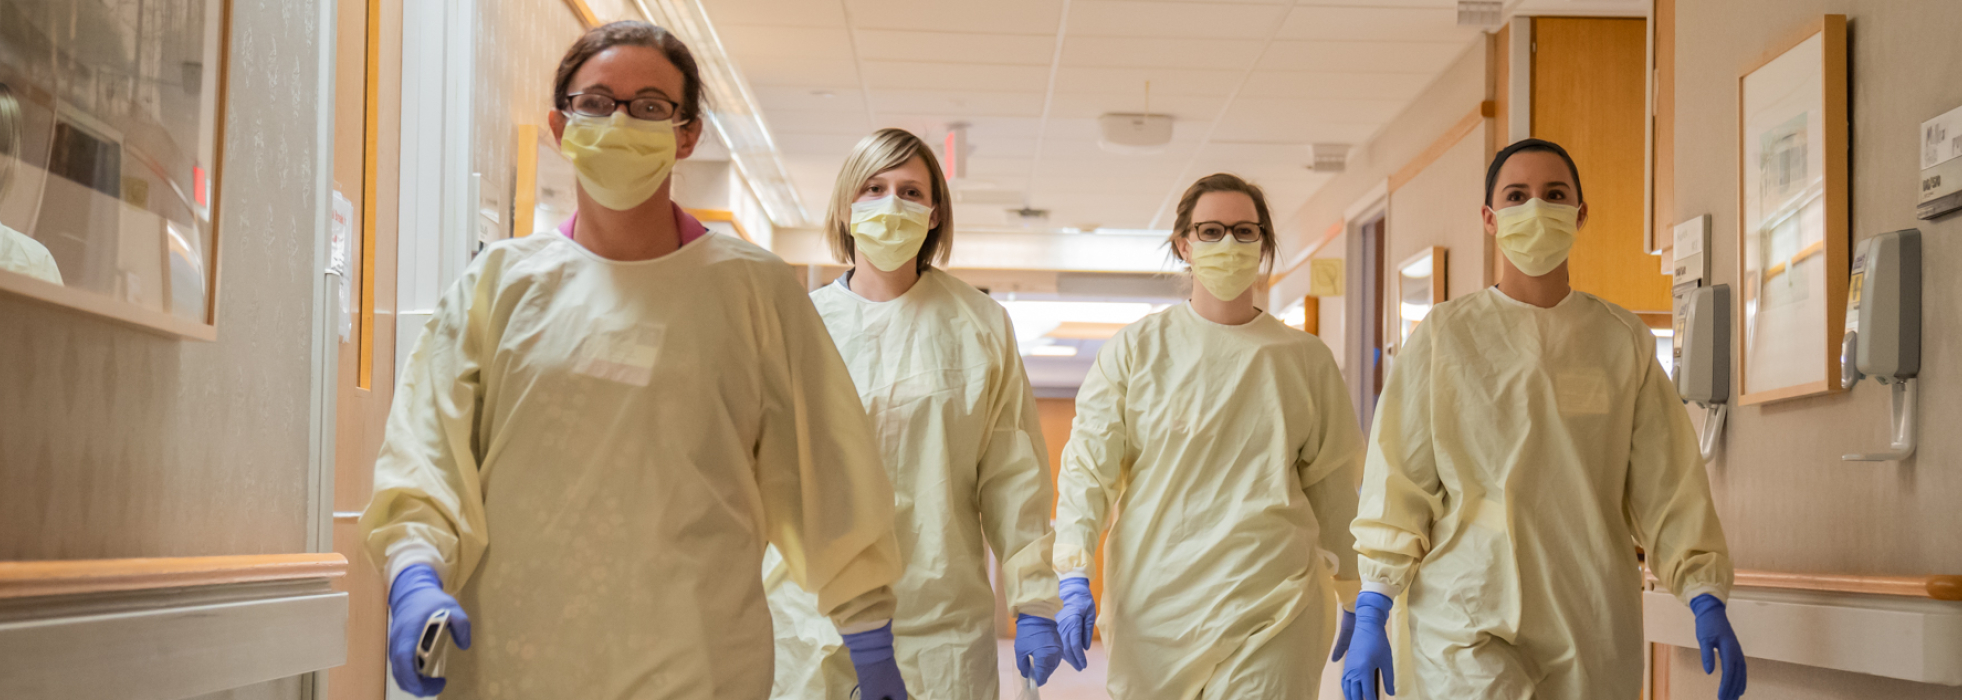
(1214, 232)
(592, 104)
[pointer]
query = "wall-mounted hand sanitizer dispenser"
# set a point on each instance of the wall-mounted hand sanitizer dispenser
(1703, 378)
(1884, 338)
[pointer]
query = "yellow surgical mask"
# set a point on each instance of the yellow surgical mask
(1537, 236)
(889, 231)
(1226, 268)
(621, 160)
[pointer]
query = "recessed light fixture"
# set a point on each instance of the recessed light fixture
(1479, 13)
(1330, 157)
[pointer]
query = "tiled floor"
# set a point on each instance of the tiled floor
(1088, 684)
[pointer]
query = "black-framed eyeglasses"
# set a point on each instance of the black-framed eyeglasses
(1214, 232)
(593, 104)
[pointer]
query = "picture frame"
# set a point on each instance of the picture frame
(111, 162)
(1422, 284)
(1792, 216)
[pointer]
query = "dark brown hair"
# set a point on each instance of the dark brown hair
(1530, 146)
(633, 33)
(1224, 182)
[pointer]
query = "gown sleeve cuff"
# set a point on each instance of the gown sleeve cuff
(406, 553)
(1073, 573)
(1382, 589)
(858, 627)
(1711, 590)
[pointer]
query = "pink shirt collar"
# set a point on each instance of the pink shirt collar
(690, 227)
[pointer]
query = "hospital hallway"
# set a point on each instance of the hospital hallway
(514, 349)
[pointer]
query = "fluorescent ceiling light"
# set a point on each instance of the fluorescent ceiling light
(1295, 315)
(736, 115)
(1035, 319)
(1053, 351)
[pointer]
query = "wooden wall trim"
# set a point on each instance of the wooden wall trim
(1308, 253)
(1936, 586)
(28, 579)
(584, 13)
(1437, 149)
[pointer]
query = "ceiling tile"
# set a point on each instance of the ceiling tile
(1126, 52)
(955, 76)
(1397, 87)
(1015, 49)
(789, 13)
(954, 104)
(1376, 24)
(784, 121)
(1183, 108)
(1164, 81)
(1427, 58)
(1287, 129)
(1173, 20)
(838, 145)
(745, 42)
(1314, 111)
(809, 99)
(796, 72)
(992, 16)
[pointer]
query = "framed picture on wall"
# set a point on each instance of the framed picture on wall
(111, 136)
(1792, 216)
(1420, 286)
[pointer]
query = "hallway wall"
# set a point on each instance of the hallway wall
(519, 44)
(1447, 99)
(116, 442)
(1788, 503)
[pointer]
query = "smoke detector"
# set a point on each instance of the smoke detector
(1330, 157)
(1479, 13)
(1140, 134)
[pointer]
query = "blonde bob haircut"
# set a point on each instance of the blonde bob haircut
(884, 150)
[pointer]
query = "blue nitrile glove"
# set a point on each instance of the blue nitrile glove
(1036, 637)
(1342, 639)
(878, 672)
(1077, 620)
(417, 594)
(1714, 635)
(1369, 650)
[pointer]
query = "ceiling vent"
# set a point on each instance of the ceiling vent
(1137, 134)
(1330, 157)
(1479, 13)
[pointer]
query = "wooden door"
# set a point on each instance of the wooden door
(1590, 96)
(367, 89)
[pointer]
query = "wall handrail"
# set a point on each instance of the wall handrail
(1936, 586)
(30, 579)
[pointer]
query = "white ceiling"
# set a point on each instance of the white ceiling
(1251, 85)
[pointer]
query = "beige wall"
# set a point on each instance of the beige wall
(519, 44)
(1454, 93)
(116, 442)
(1788, 502)
(1440, 207)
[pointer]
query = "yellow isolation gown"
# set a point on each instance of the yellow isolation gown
(1518, 457)
(595, 453)
(1232, 456)
(938, 370)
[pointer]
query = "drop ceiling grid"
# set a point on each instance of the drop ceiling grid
(1334, 72)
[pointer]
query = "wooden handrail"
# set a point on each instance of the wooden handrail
(1936, 586)
(28, 579)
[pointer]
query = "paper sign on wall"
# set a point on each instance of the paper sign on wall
(1325, 277)
(338, 255)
